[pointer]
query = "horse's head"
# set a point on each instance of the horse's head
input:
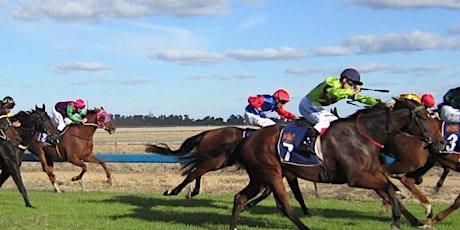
(421, 125)
(8, 131)
(44, 123)
(102, 118)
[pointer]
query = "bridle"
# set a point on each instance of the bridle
(414, 118)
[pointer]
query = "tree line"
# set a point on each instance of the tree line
(174, 120)
(177, 120)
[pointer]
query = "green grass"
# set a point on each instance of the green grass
(104, 210)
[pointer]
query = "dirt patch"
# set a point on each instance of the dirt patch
(156, 178)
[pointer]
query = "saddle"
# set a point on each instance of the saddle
(296, 144)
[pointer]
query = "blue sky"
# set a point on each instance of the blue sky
(205, 57)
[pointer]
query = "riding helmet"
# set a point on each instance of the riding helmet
(428, 100)
(8, 102)
(282, 95)
(352, 75)
(79, 103)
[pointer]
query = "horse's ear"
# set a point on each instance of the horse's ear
(43, 106)
(102, 108)
(36, 107)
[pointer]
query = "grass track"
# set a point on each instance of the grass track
(103, 210)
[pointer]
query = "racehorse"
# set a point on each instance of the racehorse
(448, 160)
(209, 140)
(75, 146)
(358, 164)
(31, 122)
(202, 142)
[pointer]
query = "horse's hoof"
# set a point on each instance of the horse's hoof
(167, 193)
(394, 227)
(426, 227)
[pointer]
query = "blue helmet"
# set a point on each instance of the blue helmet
(352, 75)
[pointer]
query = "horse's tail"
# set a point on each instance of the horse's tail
(186, 147)
(191, 161)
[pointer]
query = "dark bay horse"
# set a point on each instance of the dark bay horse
(201, 142)
(31, 122)
(350, 153)
(75, 146)
(207, 141)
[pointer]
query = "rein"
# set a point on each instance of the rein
(414, 117)
(424, 137)
(88, 124)
(369, 138)
(2, 131)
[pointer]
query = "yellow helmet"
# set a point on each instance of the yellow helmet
(411, 96)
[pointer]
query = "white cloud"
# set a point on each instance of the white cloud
(253, 22)
(390, 43)
(135, 81)
(368, 68)
(188, 57)
(243, 76)
(79, 66)
(95, 10)
(405, 4)
(332, 51)
(284, 53)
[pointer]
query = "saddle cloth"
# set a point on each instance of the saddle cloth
(451, 133)
(291, 136)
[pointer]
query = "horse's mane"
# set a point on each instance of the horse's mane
(91, 111)
(400, 103)
(22, 114)
(371, 109)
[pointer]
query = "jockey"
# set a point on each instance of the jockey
(6, 105)
(69, 112)
(329, 92)
(255, 112)
(449, 109)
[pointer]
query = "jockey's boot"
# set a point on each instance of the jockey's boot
(307, 146)
(45, 138)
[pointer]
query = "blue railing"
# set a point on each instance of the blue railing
(119, 158)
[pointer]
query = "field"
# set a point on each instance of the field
(156, 178)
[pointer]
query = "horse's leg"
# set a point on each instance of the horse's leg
(240, 199)
(47, 166)
(4, 176)
(381, 185)
(267, 191)
(83, 166)
(385, 205)
(442, 215)
(196, 189)
(410, 184)
(441, 179)
(389, 196)
(93, 159)
(13, 170)
(189, 178)
(294, 184)
(281, 197)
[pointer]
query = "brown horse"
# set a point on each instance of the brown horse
(207, 141)
(447, 160)
(11, 155)
(75, 146)
(358, 164)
